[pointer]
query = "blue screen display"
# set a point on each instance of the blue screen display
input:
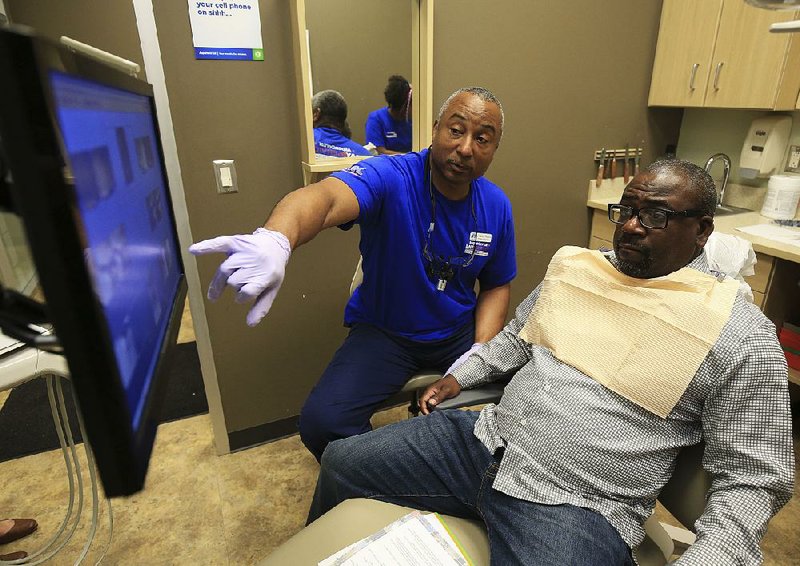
(123, 204)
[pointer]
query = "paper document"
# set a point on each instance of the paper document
(781, 234)
(412, 540)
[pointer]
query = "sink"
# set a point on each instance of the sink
(726, 210)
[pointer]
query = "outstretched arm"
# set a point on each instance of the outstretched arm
(305, 212)
(256, 262)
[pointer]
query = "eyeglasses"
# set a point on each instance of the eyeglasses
(655, 218)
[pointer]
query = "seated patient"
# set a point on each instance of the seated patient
(389, 128)
(331, 131)
(619, 360)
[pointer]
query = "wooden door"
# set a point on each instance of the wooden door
(749, 62)
(683, 54)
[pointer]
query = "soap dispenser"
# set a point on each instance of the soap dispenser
(765, 145)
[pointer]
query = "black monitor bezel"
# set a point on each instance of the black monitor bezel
(43, 196)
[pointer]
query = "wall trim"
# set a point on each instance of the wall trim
(263, 433)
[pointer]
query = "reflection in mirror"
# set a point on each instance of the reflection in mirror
(355, 46)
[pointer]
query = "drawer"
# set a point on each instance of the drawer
(602, 227)
(596, 243)
(760, 279)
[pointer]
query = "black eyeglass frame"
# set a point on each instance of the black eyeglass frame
(692, 212)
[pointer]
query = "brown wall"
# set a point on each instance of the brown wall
(355, 46)
(572, 76)
(110, 26)
(246, 111)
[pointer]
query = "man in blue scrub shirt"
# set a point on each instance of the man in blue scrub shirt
(431, 226)
(331, 131)
(389, 128)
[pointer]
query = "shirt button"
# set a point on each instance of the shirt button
(523, 421)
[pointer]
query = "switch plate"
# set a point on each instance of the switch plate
(793, 162)
(225, 175)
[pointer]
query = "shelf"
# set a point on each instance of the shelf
(332, 164)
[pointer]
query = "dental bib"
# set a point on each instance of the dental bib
(641, 338)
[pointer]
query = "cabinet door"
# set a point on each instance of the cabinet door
(748, 62)
(683, 53)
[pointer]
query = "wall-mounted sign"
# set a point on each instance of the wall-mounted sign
(226, 30)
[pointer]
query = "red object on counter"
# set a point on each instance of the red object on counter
(789, 337)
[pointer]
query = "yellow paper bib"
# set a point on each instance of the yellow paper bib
(642, 338)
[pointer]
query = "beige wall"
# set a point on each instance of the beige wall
(246, 111)
(572, 76)
(84, 20)
(355, 46)
(572, 79)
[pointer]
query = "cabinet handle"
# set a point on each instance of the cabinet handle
(716, 75)
(692, 76)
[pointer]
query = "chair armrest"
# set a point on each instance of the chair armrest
(489, 393)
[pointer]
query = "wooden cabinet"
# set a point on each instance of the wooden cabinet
(602, 235)
(720, 54)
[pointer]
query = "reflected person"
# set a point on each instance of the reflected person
(389, 128)
(432, 226)
(331, 131)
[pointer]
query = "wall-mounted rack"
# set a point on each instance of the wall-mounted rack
(619, 153)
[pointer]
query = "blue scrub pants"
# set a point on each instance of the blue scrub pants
(435, 463)
(367, 369)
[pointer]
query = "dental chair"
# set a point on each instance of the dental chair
(684, 497)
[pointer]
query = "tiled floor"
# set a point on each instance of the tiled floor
(198, 508)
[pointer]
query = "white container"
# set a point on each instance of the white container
(783, 194)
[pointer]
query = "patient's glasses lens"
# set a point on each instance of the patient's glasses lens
(653, 218)
(648, 217)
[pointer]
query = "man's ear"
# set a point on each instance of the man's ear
(704, 230)
(435, 127)
(315, 114)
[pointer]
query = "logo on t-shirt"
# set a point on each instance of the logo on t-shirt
(355, 169)
(391, 134)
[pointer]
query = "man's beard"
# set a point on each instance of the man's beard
(639, 269)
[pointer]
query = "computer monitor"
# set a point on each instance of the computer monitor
(87, 176)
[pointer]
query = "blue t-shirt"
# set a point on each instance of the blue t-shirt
(329, 141)
(385, 131)
(395, 212)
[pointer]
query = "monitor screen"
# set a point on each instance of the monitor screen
(89, 183)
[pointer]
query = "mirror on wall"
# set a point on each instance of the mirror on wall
(354, 47)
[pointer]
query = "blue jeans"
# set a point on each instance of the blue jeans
(435, 463)
(371, 366)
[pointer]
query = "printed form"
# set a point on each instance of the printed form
(412, 540)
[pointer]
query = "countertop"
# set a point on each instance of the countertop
(611, 190)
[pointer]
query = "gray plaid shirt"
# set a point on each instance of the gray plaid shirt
(570, 440)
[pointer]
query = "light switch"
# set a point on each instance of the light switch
(225, 174)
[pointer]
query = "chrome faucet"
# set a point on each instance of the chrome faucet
(726, 170)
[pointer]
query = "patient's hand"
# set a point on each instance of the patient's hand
(445, 388)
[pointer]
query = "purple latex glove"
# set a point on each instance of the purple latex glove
(255, 267)
(463, 357)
